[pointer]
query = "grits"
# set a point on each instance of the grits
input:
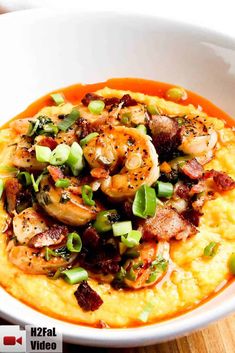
(191, 277)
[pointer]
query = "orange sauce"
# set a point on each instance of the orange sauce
(76, 92)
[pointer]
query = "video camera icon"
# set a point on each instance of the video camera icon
(12, 339)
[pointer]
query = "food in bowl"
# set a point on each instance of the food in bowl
(117, 203)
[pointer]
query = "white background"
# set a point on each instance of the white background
(217, 15)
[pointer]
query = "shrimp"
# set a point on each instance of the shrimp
(198, 139)
(150, 267)
(33, 261)
(27, 224)
(64, 205)
(129, 156)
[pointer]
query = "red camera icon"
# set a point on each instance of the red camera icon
(11, 340)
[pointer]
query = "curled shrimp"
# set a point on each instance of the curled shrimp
(150, 267)
(198, 139)
(129, 156)
(65, 205)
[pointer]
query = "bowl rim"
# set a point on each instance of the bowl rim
(125, 337)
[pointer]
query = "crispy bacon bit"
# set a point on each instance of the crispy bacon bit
(48, 142)
(87, 298)
(193, 216)
(52, 236)
(111, 101)
(55, 172)
(84, 128)
(12, 189)
(166, 224)
(90, 238)
(99, 173)
(223, 181)
(182, 190)
(192, 169)
(166, 135)
(90, 97)
(127, 101)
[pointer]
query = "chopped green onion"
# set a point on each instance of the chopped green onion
(75, 159)
(43, 153)
(152, 277)
(49, 129)
(142, 128)
(132, 239)
(126, 117)
(121, 228)
(57, 98)
(132, 253)
(96, 107)
(49, 253)
(120, 275)
(145, 313)
(37, 182)
(1, 187)
(104, 220)
(87, 195)
(176, 94)
(33, 126)
(145, 202)
(152, 110)
(160, 264)
(57, 273)
(69, 120)
(211, 249)
(131, 275)
(8, 169)
(75, 275)
(62, 183)
(74, 242)
(164, 189)
(88, 138)
(60, 154)
(25, 178)
(231, 263)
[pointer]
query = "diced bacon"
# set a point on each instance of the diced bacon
(55, 172)
(192, 169)
(52, 236)
(193, 216)
(127, 101)
(165, 225)
(90, 97)
(87, 298)
(48, 142)
(223, 181)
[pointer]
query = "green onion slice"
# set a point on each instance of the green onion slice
(69, 120)
(152, 110)
(1, 187)
(145, 202)
(49, 129)
(57, 98)
(75, 159)
(96, 107)
(132, 239)
(7, 169)
(164, 189)
(49, 253)
(75, 275)
(43, 153)
(231, 263)
(74, 242)
(25, 178)
(62, 183)
(142, 128)
(88, 138)
(211, 249)
(60, 154)
(121, 228)
(87, 195)
(33, 127)
(145, 313)
(104, 220)
(36, 182)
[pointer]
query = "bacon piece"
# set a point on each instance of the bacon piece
(192, 169)
(111, 101)
(48, 142)
(223, 181)
(52, 236)
(12, 189)
(165, 225)
(166, 136)
(91, 97)
(182, 190)
(87, 298)
(99, 173)
(55, 172)
(193, 216)
(90, 238)
(84, 128)
(127, 101)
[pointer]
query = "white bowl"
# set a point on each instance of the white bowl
(42, 50)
